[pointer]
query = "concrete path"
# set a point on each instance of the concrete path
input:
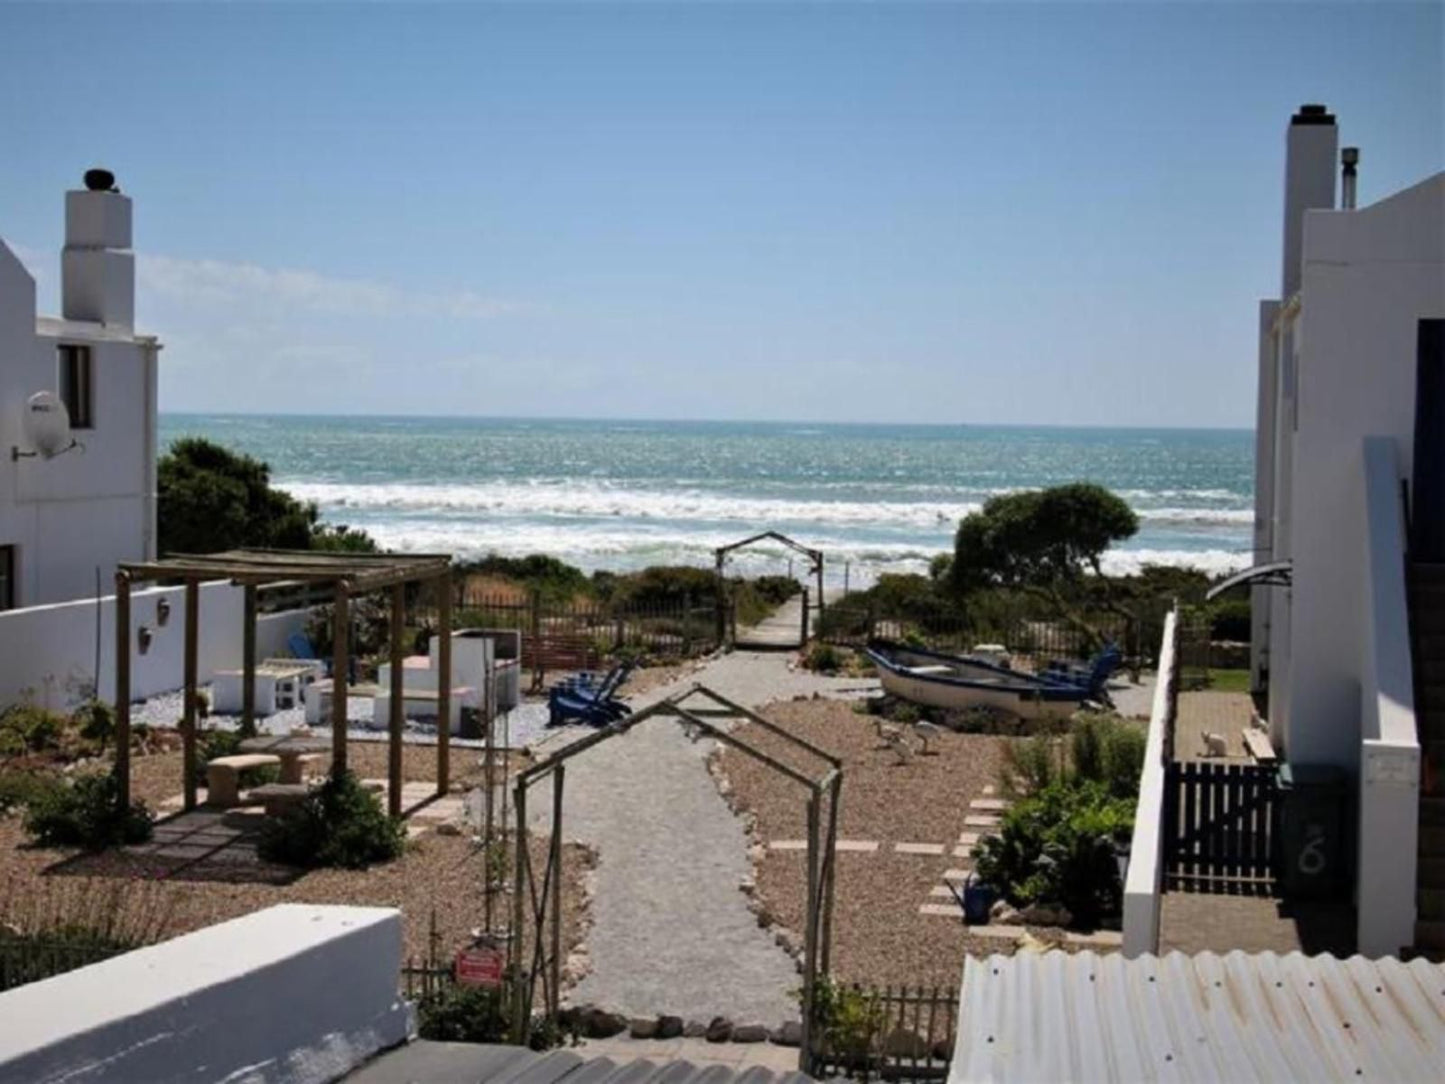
(671, 931)
(783, 628)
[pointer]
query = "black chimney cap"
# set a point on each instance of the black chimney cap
(1313, 114)
(100, 180)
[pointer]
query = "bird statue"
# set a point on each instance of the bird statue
(886, 731)
(927, 731)
(901, 749)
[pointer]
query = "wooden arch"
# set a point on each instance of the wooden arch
(815, 567)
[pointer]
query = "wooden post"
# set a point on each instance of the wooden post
(522, 990)
(805, 618)
(722, 593)
(810, 930)
(340, 656)
(556, 931)
(398, 700)
(444, 688)
(830, 844)
(188, 721)
(248, 662)
(122, 687)
(822, 603)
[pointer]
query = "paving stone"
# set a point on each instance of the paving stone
(862, 845)
(997, 933)
(948, 910)
(942, 892)
(788, 845)
(988, 789)
(974, 820)
(988, 805)
(963, 852)
(918, 848)
(967, 839)
(957, 874)
(1105, 939)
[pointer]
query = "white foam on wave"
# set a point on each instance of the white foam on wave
(593, 500)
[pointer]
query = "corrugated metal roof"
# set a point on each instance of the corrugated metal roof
(424, 1062)
(1241, 1017)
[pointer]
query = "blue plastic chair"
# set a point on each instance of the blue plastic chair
(587, 702)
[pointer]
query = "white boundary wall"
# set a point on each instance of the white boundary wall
(294, 994)
(1144, 884)
(47, 653)
(1390, 749)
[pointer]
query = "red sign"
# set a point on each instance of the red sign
(479, 967)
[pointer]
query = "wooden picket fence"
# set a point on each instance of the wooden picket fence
(1219, 825)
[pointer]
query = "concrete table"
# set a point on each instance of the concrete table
(290, 749)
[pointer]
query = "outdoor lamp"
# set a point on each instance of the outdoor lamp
(163, 611)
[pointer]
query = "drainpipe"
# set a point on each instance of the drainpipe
(1349, 160)
(150, 351)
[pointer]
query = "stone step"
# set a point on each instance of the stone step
(957, 874)
(988, 805)
(942, 892)
(968, 839)
(918, 848)
(945, 910)
(974, 820)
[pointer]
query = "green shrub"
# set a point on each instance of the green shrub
(850, 1020)
(95, 721)
(339, 824)
(776, 589)
(83, 812)
(1108, 750)
(905, 713)
(1057, 847)
(211, 744)
(18, 786)
(1030, 765)
(824, 659)
(1230, 620)
(28, 728)
(464, 1014)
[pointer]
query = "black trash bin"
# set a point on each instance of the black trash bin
(1310, 834)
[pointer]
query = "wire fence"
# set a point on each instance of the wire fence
(893, 1033)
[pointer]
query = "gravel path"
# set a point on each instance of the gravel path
(671, 931)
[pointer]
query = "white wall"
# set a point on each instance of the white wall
(1264, 443)
(1390, 760)
(294, 994)
(49, 651)
(1369, 277)
(1144, 883)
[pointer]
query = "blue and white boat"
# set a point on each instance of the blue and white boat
(958, 682)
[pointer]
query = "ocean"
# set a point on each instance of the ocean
(623, 495)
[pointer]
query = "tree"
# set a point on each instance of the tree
(1044, 542)
(211, 499)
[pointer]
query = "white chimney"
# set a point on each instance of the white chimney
(97, 267)
(1309, 182)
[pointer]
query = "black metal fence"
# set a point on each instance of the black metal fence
(1219, 825)
(891, 1033)
(853, 624)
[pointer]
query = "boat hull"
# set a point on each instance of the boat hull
(958, 684)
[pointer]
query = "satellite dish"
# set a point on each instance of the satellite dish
(47, 424)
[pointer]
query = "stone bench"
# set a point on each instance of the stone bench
(223, 775)
(279, 797)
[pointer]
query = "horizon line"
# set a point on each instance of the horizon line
(701, 421)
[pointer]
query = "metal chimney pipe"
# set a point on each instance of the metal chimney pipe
(1349, 159)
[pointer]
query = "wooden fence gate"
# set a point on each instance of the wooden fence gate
(1219, 826)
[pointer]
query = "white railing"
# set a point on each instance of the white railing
(1390, 748)
(1144, 883)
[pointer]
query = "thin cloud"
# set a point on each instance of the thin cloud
(217, 282)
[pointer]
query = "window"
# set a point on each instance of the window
(76, 386)
(7, 577)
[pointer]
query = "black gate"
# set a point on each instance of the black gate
(1219, 826)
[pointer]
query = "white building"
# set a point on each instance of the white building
(64, 518)
(1351, 450)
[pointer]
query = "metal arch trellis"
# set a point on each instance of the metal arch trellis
(544, 903)
(815, 562)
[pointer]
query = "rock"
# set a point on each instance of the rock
(765, 917)
(747, 886)
(943, 1050)
(1043, 914)
(902, 1043)
(669, 1027)
(788, 1033)
(642, 1027)
(449, 828)
(694, 1029)
(750, 1033)
(998, 908)
(599, 1024)
(719, 1030)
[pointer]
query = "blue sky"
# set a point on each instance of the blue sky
(943, 212)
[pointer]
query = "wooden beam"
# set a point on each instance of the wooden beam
(248, 661)
(122, 687)
(444, 687)
(188, 719)
(340, 656)
(398, 700)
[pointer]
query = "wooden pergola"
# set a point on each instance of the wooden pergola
(815, 566)
(348, 575)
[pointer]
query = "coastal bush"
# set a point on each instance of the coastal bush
(1030, 765)
(664, 585)
(1105, 749)
(29, 728)
(553, 578)
(776, 589)
(1058, 847)
(850, 1021)
(84, 812)
(823, 659)
(339, 824)
(18, 786)
(94, 720)
(1230, 620)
